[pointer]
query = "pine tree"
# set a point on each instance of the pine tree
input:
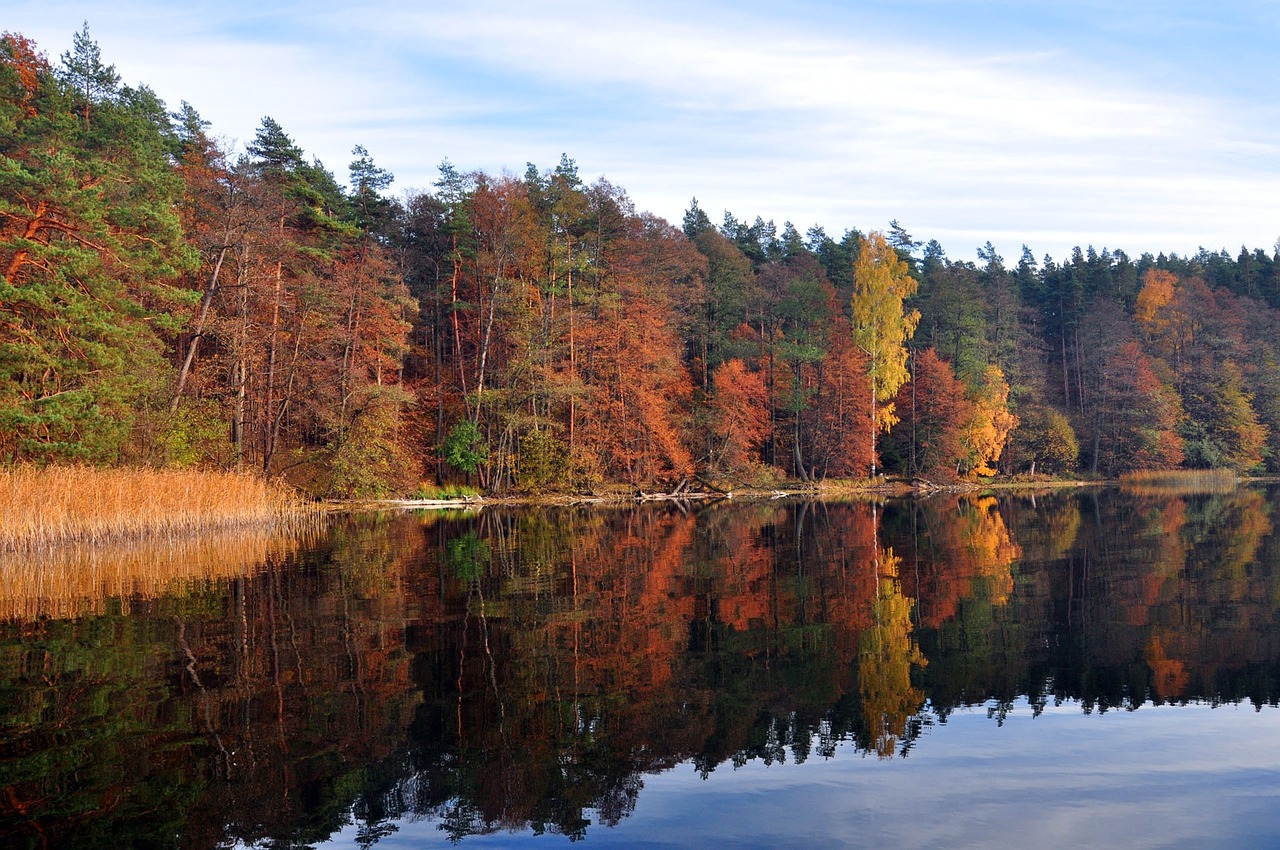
(90, 247)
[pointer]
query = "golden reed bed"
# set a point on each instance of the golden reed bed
(73, 537)
(42, 507)
(1179, 482)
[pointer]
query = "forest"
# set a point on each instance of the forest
(168, 302)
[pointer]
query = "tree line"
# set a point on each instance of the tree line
(167, 301)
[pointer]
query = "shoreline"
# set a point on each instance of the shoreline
(54, 507)
(887, 490)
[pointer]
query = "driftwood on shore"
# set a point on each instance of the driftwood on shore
(924, 486)
(461, 503)
(687, 496)
(683, 492)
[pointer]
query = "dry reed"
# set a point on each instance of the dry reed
(51, 506)
(1175, 482)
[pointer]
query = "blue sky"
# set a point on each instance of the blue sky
(1143, 126)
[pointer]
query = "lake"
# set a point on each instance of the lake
(1098, 666)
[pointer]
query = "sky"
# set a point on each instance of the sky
(1141, 126)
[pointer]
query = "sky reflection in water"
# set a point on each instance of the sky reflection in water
(1161, 776)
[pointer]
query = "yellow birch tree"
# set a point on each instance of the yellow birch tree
(882, 326)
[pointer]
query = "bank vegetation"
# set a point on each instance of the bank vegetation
(43, 507)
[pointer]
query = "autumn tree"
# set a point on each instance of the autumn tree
(219, 213)
(841, 443)
(499, 316)
(1151, 309)
(739, 417)
(1045, 441)
(366, 334)
(1224, 431)
(636, 390)
(1199, 337)
(882, 326)
(934, 414)
(1266, 383)
(990, 423)
(1130, 415)
(298, 341)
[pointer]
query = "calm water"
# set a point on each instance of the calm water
(1100, 668)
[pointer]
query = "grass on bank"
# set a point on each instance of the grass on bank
(443, 492)
(48, 506)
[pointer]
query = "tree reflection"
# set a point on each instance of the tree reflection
(887, 654)
(526, 670)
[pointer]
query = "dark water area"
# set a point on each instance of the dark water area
(1097, 666)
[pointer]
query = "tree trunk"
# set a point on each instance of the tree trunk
(209, 292)
(268, 448)
(457, 333)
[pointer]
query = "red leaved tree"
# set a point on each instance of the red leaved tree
(934, 414)
(739, 416)
(841, 442)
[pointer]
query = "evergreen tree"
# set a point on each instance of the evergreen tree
(90, 248)
(88, 81)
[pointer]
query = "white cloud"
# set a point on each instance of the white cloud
(835, 120)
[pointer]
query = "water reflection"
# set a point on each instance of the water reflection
(80, 578)
(530, 670)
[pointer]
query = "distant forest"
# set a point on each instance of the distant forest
(166, 302)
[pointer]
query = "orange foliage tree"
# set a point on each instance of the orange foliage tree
(636, 391)
(841, 443)
(739, 416)
(934, 414)
(990, 423)
(1199, 337)
(1130, 416)
(1137, 416)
